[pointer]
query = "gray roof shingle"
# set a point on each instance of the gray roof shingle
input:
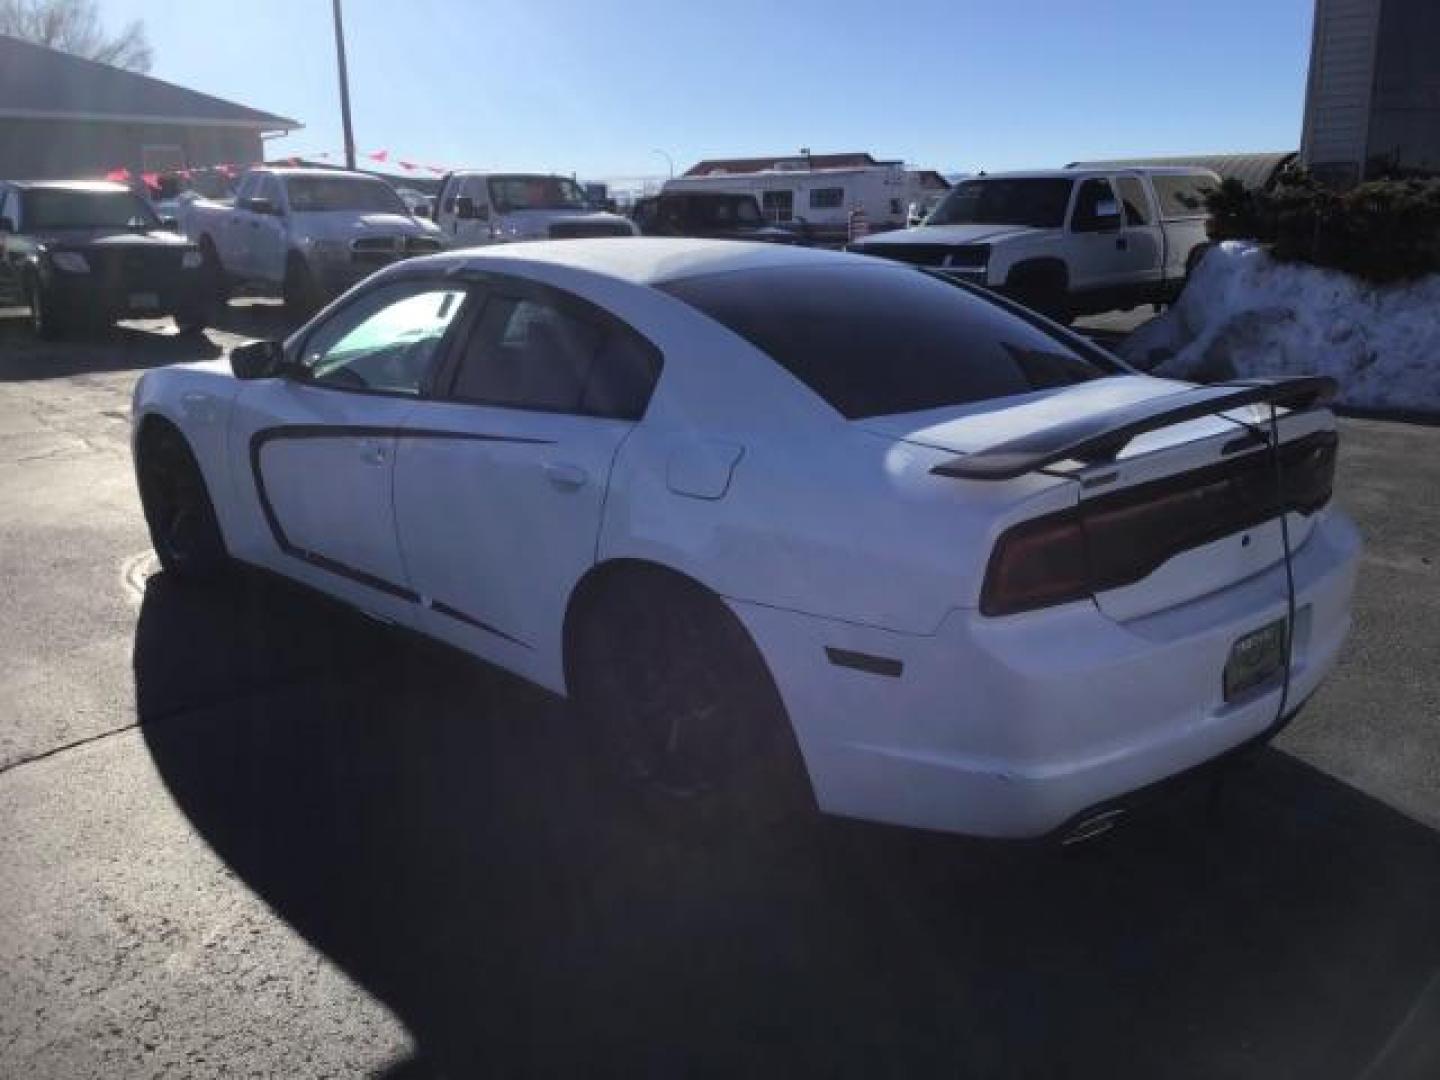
(41, 82)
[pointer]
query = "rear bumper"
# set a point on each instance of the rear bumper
(1011, 727)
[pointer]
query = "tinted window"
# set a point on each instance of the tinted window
(311, 194)
(1183, 195)
(1038, 202)
(388, 340)
(827, 198)
(1134, 200)
(532, 354)
(876, 340)
(61, 208)
(509, 193)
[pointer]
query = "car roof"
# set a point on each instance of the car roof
(69, 185)
(640, 260)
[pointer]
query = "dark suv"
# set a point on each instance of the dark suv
(710, 215)
(93, 252)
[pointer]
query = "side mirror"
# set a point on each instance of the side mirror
(261, 206)
(6, 225)
(258, 360)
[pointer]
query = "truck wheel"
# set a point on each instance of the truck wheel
(1042, 289)
(300, 291)
(214, 287)
(44, 319)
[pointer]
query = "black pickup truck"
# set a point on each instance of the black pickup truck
(707, 214)
(82, 252)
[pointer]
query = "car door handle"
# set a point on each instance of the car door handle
(373, 453)
(564, 476)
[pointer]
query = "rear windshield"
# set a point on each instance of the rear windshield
(311, 194)
(874, 339)
(1183, 195)
(57, 208)
(1038, 202)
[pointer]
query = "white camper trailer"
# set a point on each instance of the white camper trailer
(819, 201)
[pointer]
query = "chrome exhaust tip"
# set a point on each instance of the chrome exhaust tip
(1092, 827)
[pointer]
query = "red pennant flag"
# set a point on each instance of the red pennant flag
(152, 180)
(122, 175)
(295, 161)
(379, 155)
(408, 166)
(438, 170)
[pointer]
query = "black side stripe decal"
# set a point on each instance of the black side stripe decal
(334, 566)
(874, 665)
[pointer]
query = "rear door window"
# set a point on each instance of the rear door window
(1182, 195)
(878, 340)
(1134, 200)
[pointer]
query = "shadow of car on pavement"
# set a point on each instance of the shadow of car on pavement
(432, 826)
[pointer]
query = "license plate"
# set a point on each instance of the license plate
(1254, 659)
(144, 301)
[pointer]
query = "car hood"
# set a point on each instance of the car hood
(110, 238)
(966, 429)
(345, 225)
(953, 234)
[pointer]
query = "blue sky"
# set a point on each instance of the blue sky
(593, 89)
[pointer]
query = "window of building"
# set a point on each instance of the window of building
(828, 198)
(778, 205)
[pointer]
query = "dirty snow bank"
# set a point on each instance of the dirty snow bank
(1243, 314)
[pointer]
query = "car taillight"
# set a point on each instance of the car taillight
(1036, 564)
(1116, 540)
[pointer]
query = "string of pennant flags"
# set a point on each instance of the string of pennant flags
(231, 169)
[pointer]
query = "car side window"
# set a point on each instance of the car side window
(269, 188)
(1134, 200)
(1093, 193)
(387, 341)
(535, 353)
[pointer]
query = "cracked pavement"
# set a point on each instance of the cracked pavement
(247, 834)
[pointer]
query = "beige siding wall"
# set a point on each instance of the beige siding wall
(71, 150)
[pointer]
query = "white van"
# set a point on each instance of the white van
(476, 208)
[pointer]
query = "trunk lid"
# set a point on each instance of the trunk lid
(1181, 511)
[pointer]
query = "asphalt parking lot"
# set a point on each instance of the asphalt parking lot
(246, 833)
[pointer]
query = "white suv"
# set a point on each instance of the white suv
(477, 208)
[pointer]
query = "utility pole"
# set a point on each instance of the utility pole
(344, 87)
(668, 161)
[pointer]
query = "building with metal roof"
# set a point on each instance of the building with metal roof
(1253, 170)
(65, 117)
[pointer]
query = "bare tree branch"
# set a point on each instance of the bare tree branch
(73, 26)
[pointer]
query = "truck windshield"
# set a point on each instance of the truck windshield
(1038, 202)
(724, 210)
(309, 194)
(66, 209)
(509, 193)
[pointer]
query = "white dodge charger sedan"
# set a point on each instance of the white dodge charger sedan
(783, 520)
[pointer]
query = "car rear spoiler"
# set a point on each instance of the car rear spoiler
(1102, 436)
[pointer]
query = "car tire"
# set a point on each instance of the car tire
(686, 717)
(45, 321)
(184, 529)
(300, 291)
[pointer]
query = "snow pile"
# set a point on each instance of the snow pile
(1243, 314)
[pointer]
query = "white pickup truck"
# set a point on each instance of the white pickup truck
(1065, 242)
(476, 208)
(307, 234)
